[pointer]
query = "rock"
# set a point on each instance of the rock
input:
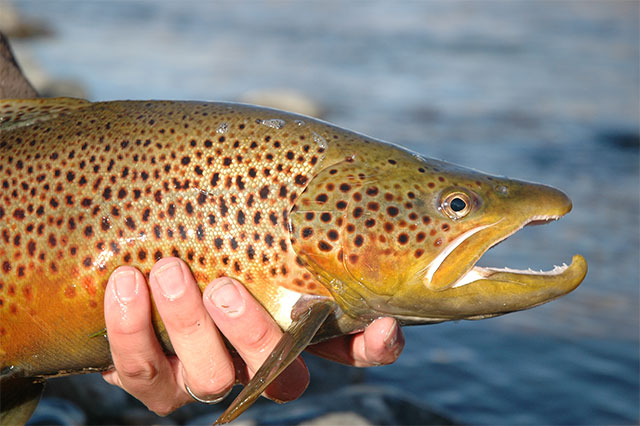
(284, 99)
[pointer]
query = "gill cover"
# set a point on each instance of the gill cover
(368, 228)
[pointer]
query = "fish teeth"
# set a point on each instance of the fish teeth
(543, 217)
(556, 270)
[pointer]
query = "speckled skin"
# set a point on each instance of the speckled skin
(118, 183)
(273, 199)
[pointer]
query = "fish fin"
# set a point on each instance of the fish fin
(99, 333)
(293, 342)
(24, 112)
(18, 400)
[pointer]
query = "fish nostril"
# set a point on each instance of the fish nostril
(501, 190)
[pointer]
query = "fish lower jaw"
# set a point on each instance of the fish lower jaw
(478, 273)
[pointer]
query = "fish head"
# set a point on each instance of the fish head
(393, 233)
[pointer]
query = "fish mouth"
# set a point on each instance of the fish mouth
(477, 273)
(483, 292)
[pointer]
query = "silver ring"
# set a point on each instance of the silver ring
(206, 401)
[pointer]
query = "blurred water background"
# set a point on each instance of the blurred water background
(538, 90)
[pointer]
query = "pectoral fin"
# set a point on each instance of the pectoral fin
(18, 400)
(292, 343)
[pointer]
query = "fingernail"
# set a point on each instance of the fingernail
(126, 286)
(171, 280)
(226, 297)
(391, 338)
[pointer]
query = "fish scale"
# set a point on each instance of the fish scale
(327, 228)
(130, 188)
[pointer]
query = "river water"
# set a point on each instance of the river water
(542, 91)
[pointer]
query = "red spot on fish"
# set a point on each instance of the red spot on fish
(87, 282)
(26, 290)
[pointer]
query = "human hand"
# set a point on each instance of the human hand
(379, 344)
(194, 322)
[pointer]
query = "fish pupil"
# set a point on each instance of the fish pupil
(457, 204)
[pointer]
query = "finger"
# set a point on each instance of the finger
(254, 334)
(141, 367)
(207, 366)
(381, 343)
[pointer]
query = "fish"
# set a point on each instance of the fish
(327, 228)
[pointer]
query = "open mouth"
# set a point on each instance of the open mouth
(477, 273)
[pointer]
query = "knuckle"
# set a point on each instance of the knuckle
(258, 338)
(218, 385)
(127, 327)
(186, 322)
(143, 372)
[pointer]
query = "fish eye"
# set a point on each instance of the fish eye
(456, 205)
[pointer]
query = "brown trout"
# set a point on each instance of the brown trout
(327, 228)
